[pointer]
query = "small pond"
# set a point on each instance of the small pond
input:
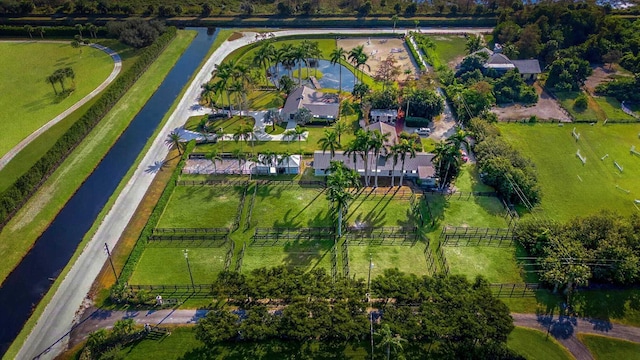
(330, 74)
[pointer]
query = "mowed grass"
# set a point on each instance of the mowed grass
(289, 206)
(450, 47)
(304, 254)
(201, 207)
(27, 100)
(536, 345)
(612, 108)
(606, 348)
(568, 100)
(570, 188)
(408, 259)
(167, 265)
(496, 264)
(467, 210)
(380, 210)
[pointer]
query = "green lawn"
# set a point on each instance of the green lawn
(479, 211)
(306, 254)
(568, 99)
(536, 345)
(409, 259)
(380, 210)
(496, 264)
(19, 234)
(27, 100)
(167, 265)
(570, 188)
(201, 207)
(606, 348)
(230, 125)
(450, 47)
(612, 109)
(289, 206)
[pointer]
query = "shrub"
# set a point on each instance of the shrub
(581, 102)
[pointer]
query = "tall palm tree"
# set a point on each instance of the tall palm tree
(406, 148)
(341, 127)
(285, 54)
(329, 142)
(214, 156)
(93, 30)
(363, 146)
(394, 152)
(224, 72)
(299, 55)
(298, 132)
(264, 56)
(79, 27)
(52, 79)
(458, 138)
(208, 94)
(219, 87)
(174, 140)
(341, 179)
(394, 18)
(389, 340)
(238, 89)
(242, 157)
(29, 29)
(41, 31)
(289, 135)
(376, 144)
(242, 133)
(362, 63)
(359, 58)
(447, 162)
(338, 55)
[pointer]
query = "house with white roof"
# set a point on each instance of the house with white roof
(322, 106)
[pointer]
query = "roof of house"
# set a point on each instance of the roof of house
(385, 128)
(527, 66)
(318, 103)
(383, 112)
(501, 61)
(280, 161)
(322, 161)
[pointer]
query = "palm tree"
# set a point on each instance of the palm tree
(458, 138)
(474, 43)
(52, 79)
(242, 157)
(298, 132)
(355, 54)
(406, 148)
(238, 89)
(362, 146)
(219, 132)
(264, 56)
(362, 63)
(79, 27)
(209, 92)
(337, 55)
(394, 152)
(285, 54)
(341, 179)
(315, 53)
(93, 30)
(329, 142)
(289, 135)
(377, 144)
(69, 73)
(76, 44)
(224, 72)
(447, 161)
(244, 133)
(214, 156)
(340, 127)
(388, 340)
(269, 158)
(299, 55)
(29, 29)
(394, 18)
(174, 140)
(41, 31)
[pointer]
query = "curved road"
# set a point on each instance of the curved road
(563, 328)
(51, 331)
(117, 66)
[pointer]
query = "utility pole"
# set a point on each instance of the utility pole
(369, 278)
(106, 247)
(186, 256)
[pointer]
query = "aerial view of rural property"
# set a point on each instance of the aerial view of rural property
(320, 179)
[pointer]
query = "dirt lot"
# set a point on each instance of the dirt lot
(378, 50)
(547, 108)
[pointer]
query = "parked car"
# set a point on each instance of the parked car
(423, 131)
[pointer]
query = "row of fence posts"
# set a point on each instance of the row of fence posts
(247, 223)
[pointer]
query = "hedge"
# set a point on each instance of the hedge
(412, 121)
(414, 53)
(49, 31)
(141, 244)
(18, 193)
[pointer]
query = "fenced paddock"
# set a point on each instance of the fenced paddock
(476, 236)
(496, 264)
(202, 207)
(290, 206)
(307, 254)
(383, 207)
(381, 236)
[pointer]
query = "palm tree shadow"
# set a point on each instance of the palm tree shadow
(156, 167)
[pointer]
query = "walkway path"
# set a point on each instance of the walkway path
(54, 325)
(117, 66)
(564, 329)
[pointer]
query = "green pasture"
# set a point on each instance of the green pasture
(306, 254)
(201, 207)
(408, 259)
(370, 209)
(612, 109)
(568, 100)
(229, 125)
(168, 266)
(27, 100)
(289, 206)
(496, 264)
(467, 210)
(449, 47)
(570, 188)
(606, 348)
(536, 345)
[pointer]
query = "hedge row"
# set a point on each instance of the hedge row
(141, 244)
(16, 195)
(49, 31)
(303, 22)
(414, 53)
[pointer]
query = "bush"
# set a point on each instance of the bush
(12, 198)
(581, 102)
(136, 32)
(412, 121)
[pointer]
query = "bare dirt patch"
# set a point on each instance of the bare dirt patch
(235, 36)
(547, 108)
(378, 49)
(601, 75)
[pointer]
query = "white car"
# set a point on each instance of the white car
(423, 131)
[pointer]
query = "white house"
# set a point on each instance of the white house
(384, 115)
(278, 164)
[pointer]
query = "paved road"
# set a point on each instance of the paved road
(51, 331)
(117, 66)
(564, 329)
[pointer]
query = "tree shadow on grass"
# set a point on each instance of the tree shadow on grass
(306, 253)
(271, 350)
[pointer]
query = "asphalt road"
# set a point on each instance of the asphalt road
(117, 66)
(54, 325)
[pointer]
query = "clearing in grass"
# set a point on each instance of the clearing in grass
(571, 188)
(536, 345)
(27, 100)
(606, 348)
(202, 207)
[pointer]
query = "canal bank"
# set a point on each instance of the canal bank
(34, 276)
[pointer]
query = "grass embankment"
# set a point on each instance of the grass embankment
(606, 348)
(28, 101)
(229, 126)
(568, 100)
(535, 345)
(26, 158)
(569, 187)
(39, 211)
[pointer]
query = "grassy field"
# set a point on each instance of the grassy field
(409, 259)
(450, 48)
(20, 233)
(606, 348)
(289, 206)
(28, 101)
(535, 345)
(612, 109)
(570, 188)
(568, 99)
(305, 254)
(496, 264)
(201, 207)
(167, 265)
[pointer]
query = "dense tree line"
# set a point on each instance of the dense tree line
(455, 317)
(624, 88)
(12, 198)
(604, 247)
(136, 32)
(503, 167)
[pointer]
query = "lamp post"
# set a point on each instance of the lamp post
(106, 247)
(186, 256)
